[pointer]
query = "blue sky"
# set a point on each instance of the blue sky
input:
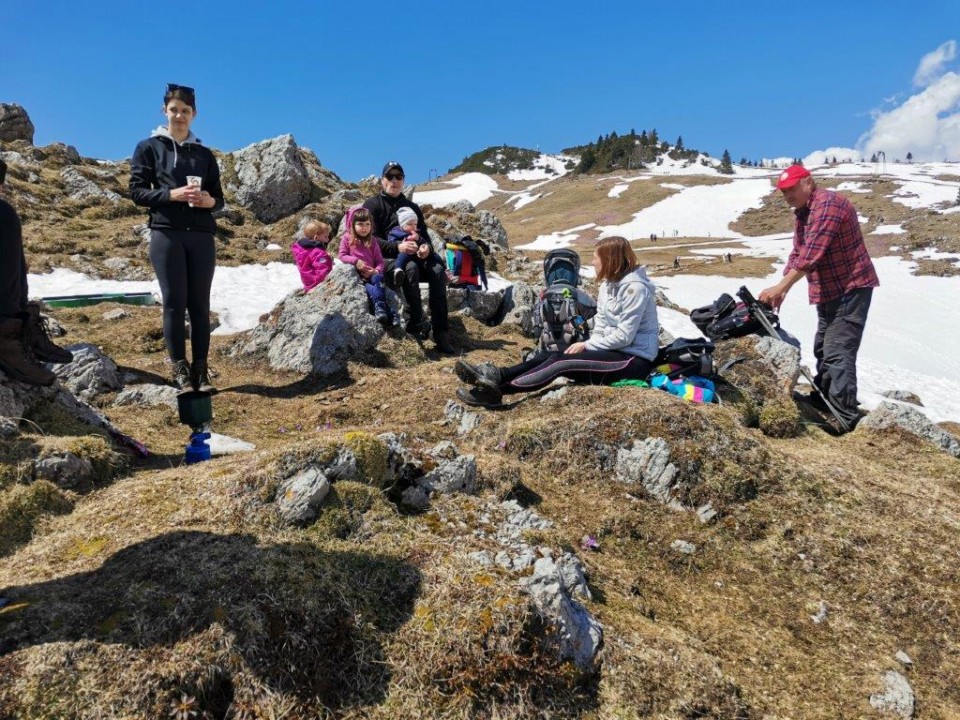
(428, 83)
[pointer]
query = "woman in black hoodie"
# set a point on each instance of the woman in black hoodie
(179, 180)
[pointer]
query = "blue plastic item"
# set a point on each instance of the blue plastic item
(197, 450)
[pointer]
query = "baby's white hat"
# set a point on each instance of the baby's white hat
(405, 215)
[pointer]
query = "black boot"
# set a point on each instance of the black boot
(181, 375)
(484, 374)
(200, 377)
(13, 358)
(480, 396)
(442, 343)
(36, 338)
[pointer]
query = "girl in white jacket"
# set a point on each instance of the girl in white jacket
(622, 346)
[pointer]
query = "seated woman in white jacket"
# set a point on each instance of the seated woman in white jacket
(623, 344)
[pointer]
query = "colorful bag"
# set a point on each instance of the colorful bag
(694, 388)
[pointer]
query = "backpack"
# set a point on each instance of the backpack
(686, 357)
(465, 264)
(560, 317)
(726, 318)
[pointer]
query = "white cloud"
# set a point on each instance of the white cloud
(821, 157)
(932, 63)
(927, 124)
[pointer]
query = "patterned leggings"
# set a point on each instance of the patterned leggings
(591, 367)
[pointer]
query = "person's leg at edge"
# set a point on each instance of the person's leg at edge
(591, 367)
(841, 343)
(411, 293)
(378, 297)
(201, 260)
(170, 264)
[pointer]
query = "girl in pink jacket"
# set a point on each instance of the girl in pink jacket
(360, 248)
(311, 256)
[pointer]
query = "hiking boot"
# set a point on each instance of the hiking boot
(36, 338)
(200, 377)
(835, 428)
(480, 397)
(398, 275)
(381, 316)
(442, 343)
(483, 375)
(13, 359)
(397, 321)
(813, 399)
(181, 375)
(420, 330)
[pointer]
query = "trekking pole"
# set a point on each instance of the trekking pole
(757, 310)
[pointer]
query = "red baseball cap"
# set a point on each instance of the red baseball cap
(791, 176)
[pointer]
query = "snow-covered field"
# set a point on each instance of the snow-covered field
(909, 344)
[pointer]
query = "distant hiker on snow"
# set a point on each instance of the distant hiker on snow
(179, 180)
(828, 250)
(383, 208)
(359, 247)
(22, 334)
(310, 254)
(622, 345)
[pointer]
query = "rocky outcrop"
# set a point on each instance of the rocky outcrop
(90, 374)
(492, 230)
(913, 421)
(15, 124)
(147, 395)
(898, 699)
(79, 187)
(316, 332)
(272, 180)
(519, 300)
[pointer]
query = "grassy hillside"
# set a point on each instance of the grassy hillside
(498, 160)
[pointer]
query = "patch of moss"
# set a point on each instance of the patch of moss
(21, 506)
(15, 461)
(781, 419)
(371, 456)
(343, 509)
(85, 547)
(107, 463)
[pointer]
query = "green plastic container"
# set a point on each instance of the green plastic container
(141, 298)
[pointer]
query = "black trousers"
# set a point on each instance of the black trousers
(432, 273)
(13, 267)
(840, 326)
(184, 262)
(591, 367)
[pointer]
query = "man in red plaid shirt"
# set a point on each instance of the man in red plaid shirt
(829, 251)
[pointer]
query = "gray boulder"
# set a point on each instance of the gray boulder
(80, 187)
(898, 699)
(492, 230)
(454, 473)
(229, 213)
(90, 374)
(466, 420)
(15, 124)
(64, 469)
(403, 467)
(578, 635)
(903, 396)
(889, 414)
(481, 304)
(300, 495)
(519, 300)
(272, 179)
(147, 395)
(17, 398)
(319, 331)
(17, 161)
(783, 360)
(647, 462)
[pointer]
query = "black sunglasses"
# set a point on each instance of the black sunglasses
(394, 176)
(171, 87)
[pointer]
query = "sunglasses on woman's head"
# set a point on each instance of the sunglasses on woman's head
(171, 87)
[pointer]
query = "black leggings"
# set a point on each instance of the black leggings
(591, 367)
(184, 262)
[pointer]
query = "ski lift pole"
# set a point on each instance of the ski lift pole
(757, 310)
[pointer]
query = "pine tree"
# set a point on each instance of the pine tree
(679, 144)
(873, 158)
(909, 157)
(726, 167)
(644, 141)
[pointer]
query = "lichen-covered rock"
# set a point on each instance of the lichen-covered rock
(647, 462)
(889, 414)
(65, 469)
(17, 398)
(319, 331)
(452, 475)
(466, 420)
(578, 636)
(903, 396)
(481, 304)
(299, 497)
(519, 300)
(15, 124)
(79, 187)
(492, 230)
(272, 179)
(90, 374)
(147, 395)
(898, 699)
(783, 360)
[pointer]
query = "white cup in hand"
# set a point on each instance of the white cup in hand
(194, 181)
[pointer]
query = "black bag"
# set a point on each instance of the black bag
(687, 356)
(726, 318)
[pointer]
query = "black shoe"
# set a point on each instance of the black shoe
(381, 316)
(420, 330)
(200, 377)
(14, 360)
(480, 397)
(484, 374)
(398, 276)
(36, 338)
(181, 375)
(442, 344)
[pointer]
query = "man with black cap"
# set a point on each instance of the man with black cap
(383, 207)
(22, 335)
(829, 251)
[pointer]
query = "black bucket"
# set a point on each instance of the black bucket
(195, 408)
